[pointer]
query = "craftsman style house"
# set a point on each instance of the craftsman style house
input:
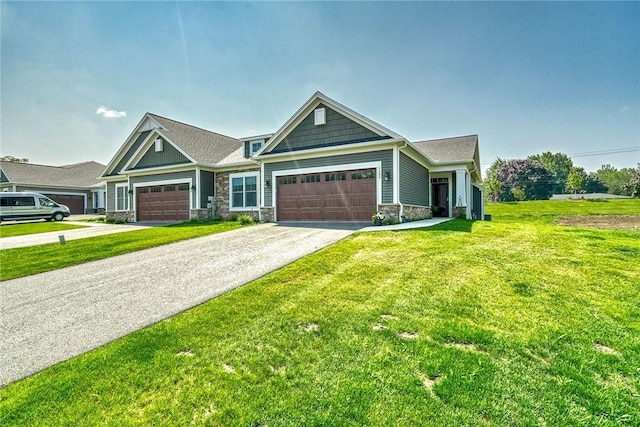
(326, 163)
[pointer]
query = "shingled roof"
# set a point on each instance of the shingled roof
(78, 175)
(459, 149)
(201, 145)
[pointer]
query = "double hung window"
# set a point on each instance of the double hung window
(244, 191)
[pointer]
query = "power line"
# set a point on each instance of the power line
(594, 153)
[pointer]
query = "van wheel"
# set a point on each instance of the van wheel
(58, 216)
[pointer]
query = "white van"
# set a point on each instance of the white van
(27, 205)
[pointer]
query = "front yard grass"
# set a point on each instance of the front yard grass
(516, 322)
(20, 262)
(22, 229)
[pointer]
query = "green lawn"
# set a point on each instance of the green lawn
(510, 322)
(10, 229)
(20, 262)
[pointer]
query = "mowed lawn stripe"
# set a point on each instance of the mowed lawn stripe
(466, 323)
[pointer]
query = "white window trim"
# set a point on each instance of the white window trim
(254, 141)
(320, 116)
(126, 194)
(258, 191)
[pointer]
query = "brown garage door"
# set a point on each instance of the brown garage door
(331, 196)
(74, 203)
(163, 203)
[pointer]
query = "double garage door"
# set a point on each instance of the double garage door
(332, 196)
(163, 202)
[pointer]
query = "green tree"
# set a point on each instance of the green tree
(614, 179)
(517, 176)
(576, 179)
(632, 187)
(491, 182)
(592, 184)
(559, 166)
(14, 159)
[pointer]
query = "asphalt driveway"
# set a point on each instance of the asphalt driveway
(54, 316)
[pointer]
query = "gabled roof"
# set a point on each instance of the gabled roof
(203, 146)
(308, 107)
(79, 175)
(200, 146)
(459, 149)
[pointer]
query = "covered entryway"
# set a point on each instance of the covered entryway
(74, 203)
(163, 202)
(328, 196)
(440, 197)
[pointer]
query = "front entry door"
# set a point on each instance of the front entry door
(441, 199)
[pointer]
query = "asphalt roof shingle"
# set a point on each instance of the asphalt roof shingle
(450, 150)
(82, 175)
(201, 145)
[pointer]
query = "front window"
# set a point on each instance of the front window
(244, 191)
(254, 146)
(122, 197)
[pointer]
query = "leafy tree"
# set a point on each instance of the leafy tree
(576, 179)
(632, 187)
(491, 183)
(614, 179)
(13, 159)
(521, 175)
(559, 166)
(592, 184)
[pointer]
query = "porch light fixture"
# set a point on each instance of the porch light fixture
(387, 176)
(267, 183)
(193, 188)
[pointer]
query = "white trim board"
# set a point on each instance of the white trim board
(324, 169)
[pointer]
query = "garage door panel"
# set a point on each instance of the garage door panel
(163, 203)
(335, 196)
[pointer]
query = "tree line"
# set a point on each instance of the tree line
(539, 176)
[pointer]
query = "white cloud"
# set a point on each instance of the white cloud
(109, 113)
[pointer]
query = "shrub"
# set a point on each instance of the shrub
(246, 219)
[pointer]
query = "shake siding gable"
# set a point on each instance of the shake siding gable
(134, 147)
(414, 182)
(169, 156)
(384, 156)
(338, 130)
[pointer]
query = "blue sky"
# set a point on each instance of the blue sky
(76, 77)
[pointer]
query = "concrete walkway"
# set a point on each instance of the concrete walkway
(89, 229)
(54, 316)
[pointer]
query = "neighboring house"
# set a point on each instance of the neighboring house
(326, 163)
(78, 186)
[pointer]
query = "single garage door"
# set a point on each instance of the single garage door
(332, 196)
(163, 202)
(74, 203)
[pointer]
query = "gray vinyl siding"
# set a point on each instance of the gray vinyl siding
(477, 202)
(3, 177)
(206, 188)
(384, 156)
(136, 144)
(110, 203)
(337, 130)
(414, 182)
(168, 156)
